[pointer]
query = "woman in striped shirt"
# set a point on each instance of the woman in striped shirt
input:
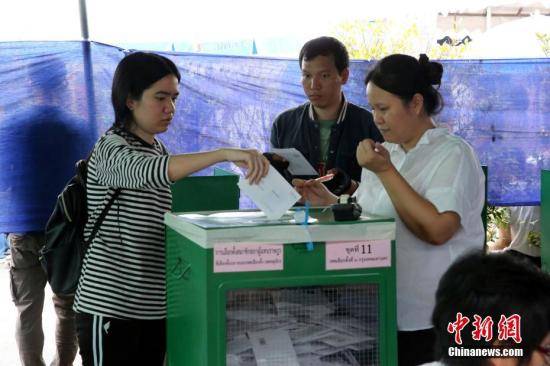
(120, 300)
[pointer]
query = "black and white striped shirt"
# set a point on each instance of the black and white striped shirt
(123, 273)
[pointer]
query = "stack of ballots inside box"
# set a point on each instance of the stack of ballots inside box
(321, 326)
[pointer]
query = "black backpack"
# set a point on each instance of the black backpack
(65, 247)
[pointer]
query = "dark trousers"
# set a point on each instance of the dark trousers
(115, 342)
(27, 283)
(415, 347)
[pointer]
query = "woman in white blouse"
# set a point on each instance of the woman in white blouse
(429, 180)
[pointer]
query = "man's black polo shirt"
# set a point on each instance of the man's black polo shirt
(296, 128)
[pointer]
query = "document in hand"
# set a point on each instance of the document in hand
(297, 163)
(273, 195)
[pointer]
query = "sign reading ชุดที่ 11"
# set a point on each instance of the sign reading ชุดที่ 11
(358, 254)
(248, 257)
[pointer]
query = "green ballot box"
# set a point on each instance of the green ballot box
(245, 290)
(199, 193)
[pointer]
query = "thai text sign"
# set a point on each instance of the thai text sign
(358, 254)
(247, 257)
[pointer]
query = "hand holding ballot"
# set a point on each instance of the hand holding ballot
(314, 191)
(298, 165)
(280, 164)
(273, 195)
(256, 164)
(290, 163)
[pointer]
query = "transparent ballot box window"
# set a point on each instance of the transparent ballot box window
(305, 326)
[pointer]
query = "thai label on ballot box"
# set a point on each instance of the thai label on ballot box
(248, 257)
(358, 254)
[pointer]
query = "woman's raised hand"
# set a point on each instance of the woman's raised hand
(373, 156)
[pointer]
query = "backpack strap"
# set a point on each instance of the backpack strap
(103, 213)
(118, 131)
(101, 216)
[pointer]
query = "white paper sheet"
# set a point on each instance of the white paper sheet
(238, 344)
(273, 195)
(272, 348)
(298, 165)
(337, 339)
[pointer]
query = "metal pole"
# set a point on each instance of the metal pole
(488, 19)
(88, 71)
(83, 20)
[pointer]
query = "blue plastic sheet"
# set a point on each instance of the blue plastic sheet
(55, 102)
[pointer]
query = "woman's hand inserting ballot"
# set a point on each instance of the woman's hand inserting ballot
(252, 160)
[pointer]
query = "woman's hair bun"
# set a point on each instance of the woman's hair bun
(433, 71)
(405, 76)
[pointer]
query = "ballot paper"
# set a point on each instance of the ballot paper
(310, 360)
(273, 347)
(237, 345)
(273, 195)
(309, 325)
(298, 165)
(337, 339)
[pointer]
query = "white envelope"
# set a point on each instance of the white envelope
(273, 195)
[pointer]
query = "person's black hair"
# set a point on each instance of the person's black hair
(325, 46)
(135, 73)
(491, 285)
(405, 76)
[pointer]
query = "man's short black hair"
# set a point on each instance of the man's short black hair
(491, 285)
(326, 46)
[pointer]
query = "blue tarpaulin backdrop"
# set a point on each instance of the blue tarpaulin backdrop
(54, 104)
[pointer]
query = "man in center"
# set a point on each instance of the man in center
(327, 128)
